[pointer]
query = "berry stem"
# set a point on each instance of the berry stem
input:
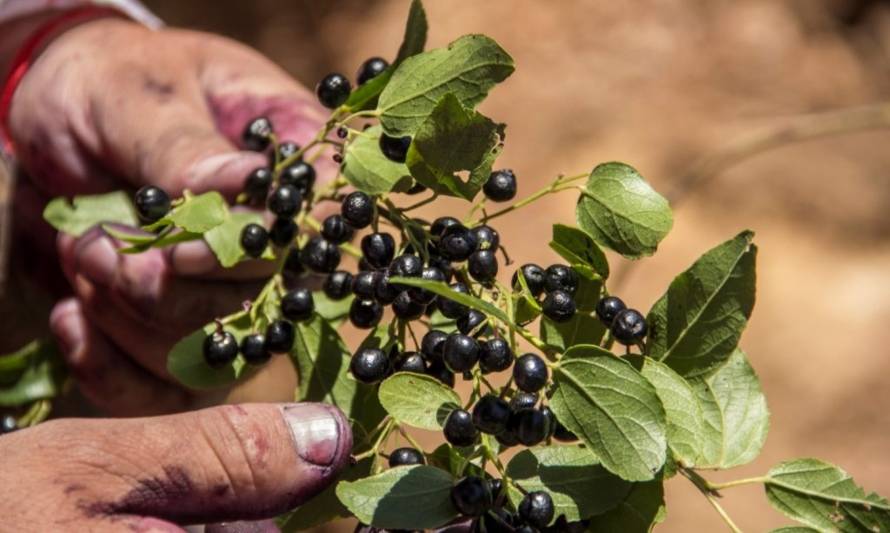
(421, 203)
(710, 492)
(759, 480)
(559, 184)
(722, 512)
(410, 439)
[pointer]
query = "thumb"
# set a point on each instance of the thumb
(236, 462)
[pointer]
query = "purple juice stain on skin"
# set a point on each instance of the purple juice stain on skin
(296, 118)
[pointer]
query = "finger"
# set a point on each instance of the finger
(247, 462)
(138, 301)
(105, 376)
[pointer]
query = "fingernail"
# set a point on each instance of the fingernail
(67, 326)
(97, 259)
(321, 435)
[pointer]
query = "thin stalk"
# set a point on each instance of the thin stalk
(559, 184)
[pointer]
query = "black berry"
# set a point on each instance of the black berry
(365, 314)
(385, 292)
(8, 424)
(437, 229)
(496, 356)
(320, 255)
(498, 520)
(283, 231)
(429, 273)
(531, 426)
(220, 349)
(471, 496)
(470, 321)
(523, 400)
(369, 365)
(460, 352)
(253, 348)
(333, 90)
(559, 306)
(487, 237)
(560, 278)
(530, 373)
(338, 285)
(257, 183)
(335, 229)
(254, 239)
(358, 209)
(483, 266)
(405, 456)
(507, 438)
(534, 278)
(457, 243)
(394, 148)
(297, 305)
(293, 266)
(432, 344)
(371, 68)
(450, 308)
(285, 201)
(280, 336)
(364, 283)
(406, 266)
(410, 362)
(285, 150)
(152, 204)
(438, 370)
(608, 308)
(536, 509)
(378, 249)
(629, 327)
(459, 428)
(300, 175)
(500, 186)
(490, 414)
(258, 134)
(406, 307)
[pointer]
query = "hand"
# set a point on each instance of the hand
(111, 104)
(237, 462)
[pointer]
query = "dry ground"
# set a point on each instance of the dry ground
(658, 84)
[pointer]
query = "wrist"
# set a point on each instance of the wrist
(36, 36)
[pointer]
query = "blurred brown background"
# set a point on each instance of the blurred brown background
(659, 84)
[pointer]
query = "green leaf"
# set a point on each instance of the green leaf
(619, 210)
(186, 359)
(334, 311)
(453, 140)
(613, 409)
(415, 33)
(573, 477)
(84, 212)
(697, 323)
(794, 529)
(365, 96)
(525, 306)
(159, 241)
(640, 512)
(367, 169)
(468, 68)
(590, 289)
(322, 360)
(441, 289)
(578, 248)
(450, 459)
(225, 239)
(685, 418)
(736, 417)
(581, 329)
(34, 372)
(825, 497)
(325, 506)
(196, 214)
(417, 400)
(411, 497)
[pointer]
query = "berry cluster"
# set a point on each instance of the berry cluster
(558, 283)
(628, 326)
(483, 499)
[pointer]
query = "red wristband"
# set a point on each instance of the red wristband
(29, 52)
